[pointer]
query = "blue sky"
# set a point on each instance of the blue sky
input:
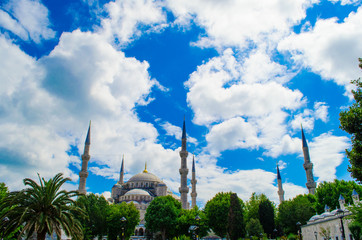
(245, 74)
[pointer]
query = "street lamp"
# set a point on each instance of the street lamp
(316, 235)
(197, 218)
(123, 221)
(299, 229)
(5, 220)
(261, 236)
(275, 233)
(340, 214)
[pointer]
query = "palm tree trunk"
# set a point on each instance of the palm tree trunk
(41, 235)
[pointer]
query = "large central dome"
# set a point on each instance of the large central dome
(144, 177)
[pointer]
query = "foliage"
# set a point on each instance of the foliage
(96, 208)
(187, 219)
(327, 193)
(114, 224)
(217, 211)
(325, 232)
(356, 230)
(235, 226)
(43, 209)
(254, 228)
(252, 206)
(162, 214)
(266, 216)
(299, 209)
(351, 122)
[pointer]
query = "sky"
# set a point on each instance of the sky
(244, 74)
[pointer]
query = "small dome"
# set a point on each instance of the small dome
(144, 177)
(117, 185)
(137, 191)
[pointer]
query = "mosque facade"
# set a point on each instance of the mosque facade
(143, 187)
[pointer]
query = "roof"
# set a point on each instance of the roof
(137, 191)
(144, 177)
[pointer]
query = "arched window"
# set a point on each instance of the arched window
(136, 232)
(141, 232)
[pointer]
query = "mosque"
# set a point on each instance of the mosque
(143, 187)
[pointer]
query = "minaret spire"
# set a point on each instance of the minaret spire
(121, 175)
(308, 166)
(183, 170)
(83, 174)
(280, 186)
(193, 184)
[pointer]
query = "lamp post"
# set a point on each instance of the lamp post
(5, 220)
(299, 229)
(197, 218)
(261, 236)
(316, 235)
(275, 233)
(123, 222)
(340, 214)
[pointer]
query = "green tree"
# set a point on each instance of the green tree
(254, 228)
(299, 209)
(327, 193)
(325, 232)
(162, 214)
(235, 226)
(114, 224)
(43, 209)
(187, 219)
(356, 230)
(96, 208)
(351, 122)
(252, 206)
(266, 216)
(217, 210)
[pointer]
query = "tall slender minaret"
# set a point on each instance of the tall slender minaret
(183, 170)
(83, 174)
(193, 184)
(280, 186)
(308, 166)
(121, 172)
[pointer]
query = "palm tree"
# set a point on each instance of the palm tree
(42, 209)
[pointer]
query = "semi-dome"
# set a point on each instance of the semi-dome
(137, 191)
(144, 177)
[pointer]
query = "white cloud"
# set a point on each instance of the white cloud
(235, 22)
(30, 20)
(129, 19)
(321, 111)
(327, 153)
(176, 132)
(330, 49)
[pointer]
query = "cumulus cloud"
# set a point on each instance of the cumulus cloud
(327, 153)
(331, 49)
(235, 22)
(129, 19)
(176, 132)
(28, 19)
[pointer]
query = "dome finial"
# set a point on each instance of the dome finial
(145, 171)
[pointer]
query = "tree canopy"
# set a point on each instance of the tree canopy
(217, 211)
(266, 216)
(351, 122)
(42, 209)
(187, 218)
(252, 206)
(96, 209)
(327, 193)
(235, 225)
(114, 224)
(299, 209)
(162, 214)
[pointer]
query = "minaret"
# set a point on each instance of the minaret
(183, 170)
(280, 187)
(308, 166)
(193, 184)
(121, 172)
(83, 174)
